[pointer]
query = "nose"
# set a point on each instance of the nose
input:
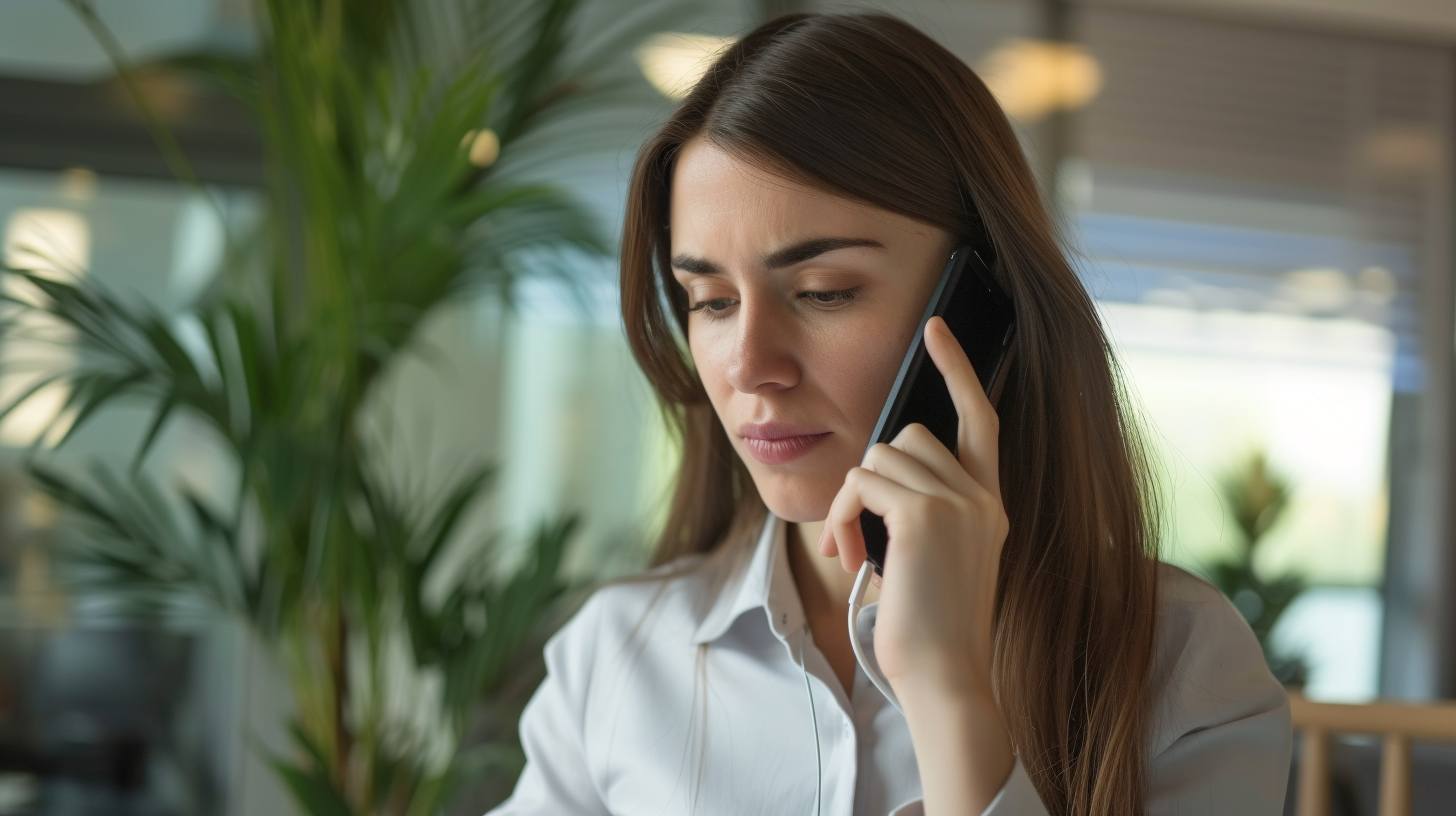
(763, 356)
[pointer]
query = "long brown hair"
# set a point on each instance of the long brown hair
(867, 107)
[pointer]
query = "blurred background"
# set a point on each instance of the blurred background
(319, 415)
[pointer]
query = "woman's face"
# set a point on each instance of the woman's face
(803, 306)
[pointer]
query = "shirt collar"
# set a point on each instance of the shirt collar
(763, 582)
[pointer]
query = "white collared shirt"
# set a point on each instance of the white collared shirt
(686, 695)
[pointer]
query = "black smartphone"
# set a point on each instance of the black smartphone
(983, 319)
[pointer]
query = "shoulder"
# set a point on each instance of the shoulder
(1209, 669)
(659, 607)
(1191, 610)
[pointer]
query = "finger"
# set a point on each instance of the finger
(917, 441)
(978, 428)
(847, 544)
(827, 547)
(863, 489)
(898, 465)
(896, 462)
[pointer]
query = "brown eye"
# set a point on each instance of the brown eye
(829, 298)
(712, 309)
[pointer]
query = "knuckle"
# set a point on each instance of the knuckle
(998, 523)
(989, 508)
(918, 433)
(966, 505)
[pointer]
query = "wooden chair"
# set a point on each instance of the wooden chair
(1398, 723)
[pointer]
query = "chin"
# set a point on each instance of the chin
(796, 497)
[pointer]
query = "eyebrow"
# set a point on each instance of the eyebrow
(779, 258)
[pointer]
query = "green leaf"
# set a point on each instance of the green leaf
(313, 792)
(372, 218)
(310, 748)
(154, 429)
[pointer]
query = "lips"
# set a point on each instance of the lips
(777, 443)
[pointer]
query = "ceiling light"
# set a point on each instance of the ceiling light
(674, 62)
(1031, 78)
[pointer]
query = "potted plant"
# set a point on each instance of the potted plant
(1256, 497)
(394, 133)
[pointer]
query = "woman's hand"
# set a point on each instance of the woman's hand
(946, 528)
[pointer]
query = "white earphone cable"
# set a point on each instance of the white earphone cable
(856, 604)
(814, 719)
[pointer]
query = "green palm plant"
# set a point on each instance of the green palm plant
(1256, 497)
(400, 142)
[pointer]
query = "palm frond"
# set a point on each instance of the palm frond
(374, 214)
(138, 547)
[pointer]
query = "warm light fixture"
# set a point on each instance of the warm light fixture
(484, 147)
(1031, 78)
(1317, 289)
(1378, 283)
(78, 183)
(51, 243)
(48, 241)
(1401, 148)
(674, 62)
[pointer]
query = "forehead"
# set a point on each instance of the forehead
(721, 203)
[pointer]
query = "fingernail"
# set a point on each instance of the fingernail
(822, 534)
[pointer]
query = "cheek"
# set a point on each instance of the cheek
(710, 357)
(856, 366)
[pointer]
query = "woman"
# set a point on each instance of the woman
(784, 230)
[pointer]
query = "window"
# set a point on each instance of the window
(1260, 212)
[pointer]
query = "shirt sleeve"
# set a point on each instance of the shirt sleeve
(1221, 735)
(1017, 797)
(557, 779)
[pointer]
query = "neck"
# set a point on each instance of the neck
(823, 584)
